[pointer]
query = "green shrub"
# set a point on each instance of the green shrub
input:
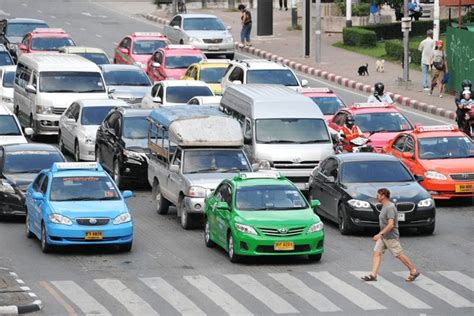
(358, 37)
(362, 9)
(388, 31)
(394, 49)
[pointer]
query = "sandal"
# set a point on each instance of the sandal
(369, 278)
(413, 277)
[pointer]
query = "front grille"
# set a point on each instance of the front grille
(271, 249)
(212, 40)
(57, 111)
(402, 207)
(87, 221)
(276, 233)
(462, 176)
(298, 179)
(295, 165)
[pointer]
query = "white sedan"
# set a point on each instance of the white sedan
(173, 92)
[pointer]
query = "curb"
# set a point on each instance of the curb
(344, 82)
(22, 309)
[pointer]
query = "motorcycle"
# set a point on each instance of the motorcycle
(467, 123)
(357, 145)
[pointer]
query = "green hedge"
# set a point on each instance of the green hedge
(388, 31)
(359, 37)
(394, 49)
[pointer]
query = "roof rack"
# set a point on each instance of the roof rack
(435, 128)
(214, 61)
(180, 46)
(49, 30)
(371, 105)
(135, 34)
(60, 166)
(259, 175)
(317, 90)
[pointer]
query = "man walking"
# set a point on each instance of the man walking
(388, 238)
(426, 48)
(283, 3)
(246, 21)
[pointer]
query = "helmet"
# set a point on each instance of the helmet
(350, 120)
(466, 92)
(466, 84)
(379, 87)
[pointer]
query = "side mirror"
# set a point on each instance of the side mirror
(407, 155)
(255, 167)
(37, 196)
(30, 89)
(174, 168)
(335, 137)
(223, 206)
(155, 64)
(70, 120)
(124, 50)
(176, 27)
(157, 100)
(22, 47)
(330, 179)
(110, 90)
(315, 203)
(110, 131)
(127, 194)
(419, 178)
(229, 27)
(304, 83)
(29, 131)
(237, 82)
(247, 140)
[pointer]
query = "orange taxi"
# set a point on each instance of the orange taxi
(442, 155)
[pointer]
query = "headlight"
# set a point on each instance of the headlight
(122, 218)
(435, 175)
(197, 192)
(229, 39)
(59, 219)
(316, 227)
(132, 154)
(195, 40)
(89, 141)
(425, 203)
(7, 100)
(358, 204)
(245, 229)
(6, 187)
(140, 64)
(41, 109)
(264, 165)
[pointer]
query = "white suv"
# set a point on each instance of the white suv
(10, 130)
(261, 71)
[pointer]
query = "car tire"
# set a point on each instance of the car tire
(162, 204)
(33, 136)
(345, 225)
(233, 257)
(427, 230)
(186, 218)
(207, 235)
(125, 247)
(45, 246)
(77, 152)
(315, 258)
(229, 56)
(116, 174)
(61, 144)
(29, 233)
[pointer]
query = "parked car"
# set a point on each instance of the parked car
(173, 92)
(95, 55)
(5, 57)
(210, 71)
(12, 31)
(7, 78)
(327, 101)
(44, 40)
(210, 101)
(10, 129)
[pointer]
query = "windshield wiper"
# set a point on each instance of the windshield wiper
(11, 134)
(379, 131)
(314, 141)
(209, 169)
(84, 198)
(280, 142)
(59, 91)
(89, 91)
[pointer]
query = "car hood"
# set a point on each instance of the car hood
(130, 91)
(400, 191)
(175, 73)
(7, 92)
(21, 180)
(136, 144)
(75, 209)
(379, 140)
(207, 180)
(293, 152)
(448, 166)
(90, 130)
(208, 34)
(142, 58)
(63, 100)
(14, 39)
(9, 139)
(277, 219)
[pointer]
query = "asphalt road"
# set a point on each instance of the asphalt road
(171, 272)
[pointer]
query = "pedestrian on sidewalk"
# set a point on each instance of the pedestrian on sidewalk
(284, 3)
(246, 21)
(374, 10)
(426, 48)
(439, 67)
(388, 238)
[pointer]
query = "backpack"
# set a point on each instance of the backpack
(438, 61)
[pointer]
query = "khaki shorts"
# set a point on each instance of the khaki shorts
(437, 76)
(393, 245)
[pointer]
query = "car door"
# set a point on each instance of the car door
(396, 148)
(409, 148)
(109, 141)
(326, 190)
(38, 205)
(156, 73)
(174, 180)
(338, 121)
(68, 134)
(123, 52)
(175, 33)
(34, 213)
(222, 215)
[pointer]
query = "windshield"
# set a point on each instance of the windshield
(20, 29)
(94, 115)
(284, 77)
(382, 122)
(184, 94)
(328, 105)
(96, 58)
(297, 131)
(82, 189)
(8, 78)
(212, 75)
(29, 161)
(8, 126)
(178, 62)
(71, 81)
(203, 24)
(51, 43)
(147, 47)
(269, 197)
(214, 160)
(445, 147)
(135, 127)
(5, 59)
(375, 171)
(126, 78)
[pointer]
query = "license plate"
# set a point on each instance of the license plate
(284, 245)
(93, 236)
(211, 47)
(463, 188)
(401, 217)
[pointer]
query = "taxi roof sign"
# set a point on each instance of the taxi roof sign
(180, 46)
(371, 105)
(214, 61)
(61, 166)
(316, 90)
(258, 175)
(136, 34)
(435, 128)
(49, 30)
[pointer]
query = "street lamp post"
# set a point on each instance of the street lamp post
(436, 20)
(406, 25)
(348, 13)
(317, 51)
(294, 15)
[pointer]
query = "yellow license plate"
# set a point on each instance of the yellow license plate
(464, 188)
(93, 236)
(284, 245)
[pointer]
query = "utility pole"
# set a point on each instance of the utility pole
(307, 28)
(406, 26)
(264, 17)
(317, 51)
(294, 15)
(436, 20)
(348, 13)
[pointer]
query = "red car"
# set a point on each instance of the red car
(172, 62)
(380, 122)
(442, 155)
(327, 101)
(45, 40)
(137, 48)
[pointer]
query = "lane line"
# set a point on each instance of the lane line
(217, 295)
(67, 23)
(397, 293)
(69, 309)
(459, 278)
(438, 290)
(315, 299)
(348, 291)
(39, 11)
(82, 29)
(52, 16)
(273, 301)
(98, 35)
(175, 298)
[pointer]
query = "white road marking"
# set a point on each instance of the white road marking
(315, 299)
(94, 16)
(438, 290)
(273, 301)
(174, 297)
(67, 23)
(82, 29)
(39, 11)
(459, 278)
(24, 4)
(217, 295)
(98, 35)
(4, 13)
(397, 293)
(348, 291)
(86, 303)
(52, 16)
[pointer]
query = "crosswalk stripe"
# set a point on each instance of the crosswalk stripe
(217, 295)
(398, 294)
(276, 303)
(459, 278)
(132, 302)
(315, 299)
(438, 290)
(86, 303)
(349, 292)
(174, 297)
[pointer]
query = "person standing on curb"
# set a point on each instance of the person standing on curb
(246, 20)
(283, 3)
(426, 48)
(388, 238)
(439, 67)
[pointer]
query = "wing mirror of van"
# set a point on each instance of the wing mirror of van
(29, 131)
(23, 47)
(304, 83)
(229, 27)
(124, 50)
(30, 89)
(176, 27)
(174, 168)
(110, 90)
(237, 82)
(155, 64)
(156, 100)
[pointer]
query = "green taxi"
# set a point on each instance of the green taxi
(256, 214)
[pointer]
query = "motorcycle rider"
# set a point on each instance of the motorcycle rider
(465, 119)
(379, 96)
(349, 132)
(465, 85)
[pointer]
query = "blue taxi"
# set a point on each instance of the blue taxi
(77, 204)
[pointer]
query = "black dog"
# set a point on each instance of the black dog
(363, 70)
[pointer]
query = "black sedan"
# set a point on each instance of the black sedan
(19, 165)
(346, 185)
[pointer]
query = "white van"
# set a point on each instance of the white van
(283, 130)
(46, 84)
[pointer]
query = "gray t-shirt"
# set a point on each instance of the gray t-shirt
(389, 211)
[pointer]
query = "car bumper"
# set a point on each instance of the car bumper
(251, 245)
(133, 170)
(208, 49)
(194, 205)
(299, 177)
(46, 124)
(12, 204)
(446, 189)
(74, 235)
(87, 152)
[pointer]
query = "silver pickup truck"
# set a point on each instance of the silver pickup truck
(193, 148)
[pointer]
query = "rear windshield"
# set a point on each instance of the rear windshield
(5, 59)
(8, 126)
(184, 94)
(30, 161)
(126, 78)
(71, 81)
(212, 75)
(21, 29)
(147, 47)
(51, 43)
(97, 58)
(178, 62)
(83, 189)
(8, 79)
(284, 77)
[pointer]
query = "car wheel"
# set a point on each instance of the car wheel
(29, 234)
(45, 246)
(61, 144)
(427, 230)
(315, 258)
(115, 61)
(116, 173)
(345, 225)
(77, 153)
(32, 126)
(186, 220)
(233, 257)
(229, 56)
(125, 247)
(207, 235)
(162, 204)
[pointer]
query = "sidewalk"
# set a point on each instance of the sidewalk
(15, 296)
